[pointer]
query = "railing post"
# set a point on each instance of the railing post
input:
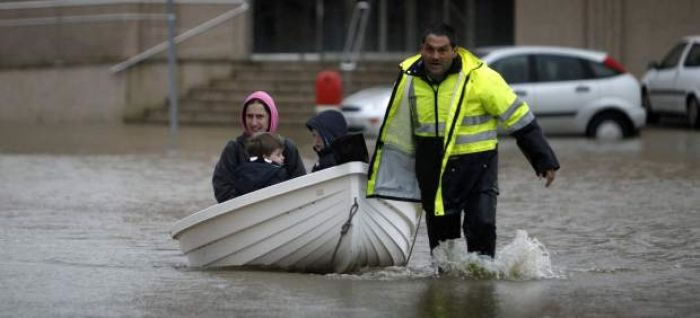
(172, 73)
(355, 37)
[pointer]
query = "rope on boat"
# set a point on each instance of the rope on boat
(345, 228)
(415, 235)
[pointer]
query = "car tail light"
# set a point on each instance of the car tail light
(613, 64)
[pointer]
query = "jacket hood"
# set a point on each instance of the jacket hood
(330, 124)
(267, 100)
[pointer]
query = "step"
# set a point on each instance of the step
(281, 84)
(213, 105)
(291, 84)
(220, 117)
(270, 86)
(238, 95)
(237, 98)
(229, 88)
(305, 75)
(296, 66)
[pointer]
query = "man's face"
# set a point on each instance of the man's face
(437, 54)
(256, 118)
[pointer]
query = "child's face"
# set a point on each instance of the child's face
(277, 157)
(318, 142)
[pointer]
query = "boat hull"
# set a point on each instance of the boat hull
(320, 222)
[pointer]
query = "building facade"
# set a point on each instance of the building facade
(56, 63)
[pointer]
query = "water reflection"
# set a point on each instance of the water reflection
(85, 214)
(447, 297)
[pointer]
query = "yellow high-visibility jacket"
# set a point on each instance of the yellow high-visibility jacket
(465, 110)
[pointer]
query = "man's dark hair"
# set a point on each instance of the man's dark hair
(441, 29)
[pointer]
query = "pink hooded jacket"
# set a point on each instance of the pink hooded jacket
(267, 100)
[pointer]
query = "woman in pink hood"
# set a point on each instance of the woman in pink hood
(259, 114)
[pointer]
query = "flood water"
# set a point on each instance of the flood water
(85, 214)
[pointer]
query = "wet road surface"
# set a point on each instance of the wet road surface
(85, 214)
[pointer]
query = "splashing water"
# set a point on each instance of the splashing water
(524, 258)
(386, 273)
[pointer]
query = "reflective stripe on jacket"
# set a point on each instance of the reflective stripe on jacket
(465, 110)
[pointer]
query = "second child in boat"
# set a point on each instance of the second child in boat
(265, 166)
(325, 128)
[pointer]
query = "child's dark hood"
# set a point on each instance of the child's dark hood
(330, 124)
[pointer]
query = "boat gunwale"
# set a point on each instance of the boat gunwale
(297, 184)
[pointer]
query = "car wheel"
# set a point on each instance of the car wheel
(609, 126)
(693, 113)
(652, 118)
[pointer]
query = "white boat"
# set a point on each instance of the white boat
(320, 222)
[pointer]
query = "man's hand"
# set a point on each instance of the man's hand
(549, 175)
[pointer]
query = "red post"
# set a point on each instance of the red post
(329, 90)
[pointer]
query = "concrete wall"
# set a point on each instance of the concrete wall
(147, 86)
(114, 41)
(61, 72)
(58, 94)
(92, 93)
(632, 31)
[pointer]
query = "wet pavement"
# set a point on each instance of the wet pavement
(85, 214)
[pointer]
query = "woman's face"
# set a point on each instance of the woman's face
(256, 118)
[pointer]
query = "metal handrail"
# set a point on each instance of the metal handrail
(169, 45)
(206, 26)
(199, 29)
(82, 19)
(355, 39)
(39, 4)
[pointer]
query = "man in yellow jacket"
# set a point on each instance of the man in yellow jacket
(438, 143)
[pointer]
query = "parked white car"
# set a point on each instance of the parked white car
(364, 110)
(569, 90)
(672, 87)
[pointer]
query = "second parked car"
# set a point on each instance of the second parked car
(672, 87)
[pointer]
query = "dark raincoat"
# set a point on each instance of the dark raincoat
(330, 125)
(257, 174)
(234, 154)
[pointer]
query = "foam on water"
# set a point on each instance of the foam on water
(387, 273)
(525, 258)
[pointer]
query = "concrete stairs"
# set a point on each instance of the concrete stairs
(291, 84)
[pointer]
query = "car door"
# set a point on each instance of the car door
(661, 85)
(564, 85)
(516, 70)
(689, 74)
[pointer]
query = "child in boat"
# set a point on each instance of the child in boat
(332, 142)
(258, 114)
(325, 128)
(265, 166)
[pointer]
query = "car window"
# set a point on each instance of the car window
(693, 58)
(673, 56)
(560, 68)
(600, 70)
(514, 69)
